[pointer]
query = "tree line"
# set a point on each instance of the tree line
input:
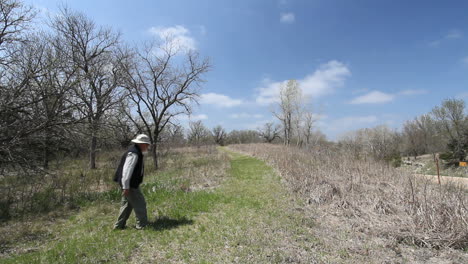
(444, 130)
(74, 86)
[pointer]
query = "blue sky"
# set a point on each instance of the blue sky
(362, 63)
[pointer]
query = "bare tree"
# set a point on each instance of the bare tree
(270, 132)
(15, 19)
(94, 52)
(161, 87)
(16, 100)
(244, 137)
(413, 139)
(290, 96)
(219, 135)
(175, 135)
(309, 120)
(453, 123)
(51, 80)
(451, 115)
(379, 142)
(198, 133)
(317, 138)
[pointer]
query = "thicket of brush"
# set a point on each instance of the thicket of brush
(69, 183)
(378, 199)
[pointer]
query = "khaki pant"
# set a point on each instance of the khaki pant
(135, 200)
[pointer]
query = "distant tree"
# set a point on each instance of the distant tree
(308, 121)
(432, 140)
(452, 122)
(379, 142)
(219, 135)
(244, 137)
(173, 135)
(286, 112)
(316, 137)
(413, 138)
(269, 132)
(198, 134)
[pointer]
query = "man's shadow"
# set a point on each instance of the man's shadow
(164, 222)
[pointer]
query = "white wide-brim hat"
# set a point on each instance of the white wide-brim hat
(142, 139)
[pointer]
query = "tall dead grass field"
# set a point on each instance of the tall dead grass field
(368, 211)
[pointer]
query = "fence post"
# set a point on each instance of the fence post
(437, 164)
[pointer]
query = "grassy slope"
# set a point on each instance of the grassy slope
(248, 219)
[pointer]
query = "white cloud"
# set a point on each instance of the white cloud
(374, 97)
(413, 92)
(454, 34)
(245, 115)
(324, 80)
(451, 35)
(219, 100)
(287, 18)
(178, 35)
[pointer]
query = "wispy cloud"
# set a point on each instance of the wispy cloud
(287, 18)
(413, 92)
(219, 100)
(454, 34)
(324, 80)
(245, 115)
(178, 35)
(451, 35)
(374, 97)
(463, 95)
(378, 97)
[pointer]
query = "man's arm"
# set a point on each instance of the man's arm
(127, 171)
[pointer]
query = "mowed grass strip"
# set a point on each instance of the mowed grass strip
(247, 219)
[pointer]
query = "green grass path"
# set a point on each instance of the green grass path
(250, 218)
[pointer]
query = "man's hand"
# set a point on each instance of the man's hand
(126, 192)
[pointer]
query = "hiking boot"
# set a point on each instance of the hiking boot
(138, 227)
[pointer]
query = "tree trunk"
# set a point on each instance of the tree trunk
(92, 151)
(46, 150)
(154, 153)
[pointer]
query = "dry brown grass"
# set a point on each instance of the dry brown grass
(370, 203)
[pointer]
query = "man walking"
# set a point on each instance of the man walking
(129, 175)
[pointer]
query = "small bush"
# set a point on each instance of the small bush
(446, 156)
